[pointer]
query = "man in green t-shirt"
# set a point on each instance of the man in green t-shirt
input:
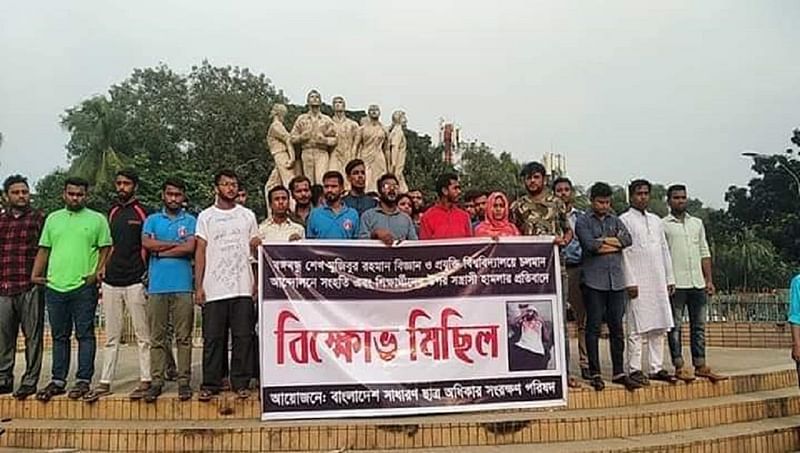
(74, 245)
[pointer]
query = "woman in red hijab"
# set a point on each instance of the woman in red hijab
(496, 223)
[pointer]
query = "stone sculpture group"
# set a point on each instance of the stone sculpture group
(318, 143)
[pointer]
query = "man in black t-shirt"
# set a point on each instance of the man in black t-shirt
(122, 285)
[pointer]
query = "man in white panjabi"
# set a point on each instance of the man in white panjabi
(372, 144)
(316, 135)
(396, 157)
(649, 281)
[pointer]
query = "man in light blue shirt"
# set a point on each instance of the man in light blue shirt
(332, 220)
(572, 253)
(169, 237)
(794, 320)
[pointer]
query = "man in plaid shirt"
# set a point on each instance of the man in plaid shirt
(21, 302)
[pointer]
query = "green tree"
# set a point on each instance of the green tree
(483, 170)
(97, 144)
(424, 164)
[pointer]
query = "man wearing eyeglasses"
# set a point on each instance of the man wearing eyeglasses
(224, 286)
(385, 222)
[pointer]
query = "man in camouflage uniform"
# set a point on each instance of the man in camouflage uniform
(540, 213)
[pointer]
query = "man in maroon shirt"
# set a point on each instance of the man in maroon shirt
(445, 220)
(21, 302)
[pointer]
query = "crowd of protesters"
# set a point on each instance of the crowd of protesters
(637, 273)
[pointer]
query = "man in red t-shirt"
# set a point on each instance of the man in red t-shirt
(445, 220)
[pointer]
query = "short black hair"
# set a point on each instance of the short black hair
(174, 182)
(675, 188)
(473, 195)
(352, 166)
(385, 178)
(14, 179)
(76, 181)
(600, 189)
(443, 182)
(275, 190)
(297, 180)
(330, 174)
(227, 173)
(316, 192)
(636, 183)
(531, 168)
(130, 174)
(561, 180)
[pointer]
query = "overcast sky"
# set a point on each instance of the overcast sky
(672, 91)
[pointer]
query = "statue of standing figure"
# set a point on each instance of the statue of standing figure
(346, 134)
(396, 158)
(316, 135)
(372, 145)
(279, 142)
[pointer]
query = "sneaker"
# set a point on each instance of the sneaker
(98, 392)
(24, 392)
(705, 372)
(597, 383)
(684, 375)
(150, 394)
(664, 376)
(639, 377)
(184, 392)
(47, 393)
(626, 381)
(78, 391)
(140, 391)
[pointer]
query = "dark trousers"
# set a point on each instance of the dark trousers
(697, 303)
(608, 305)
(76, 307)
(24, 310)
(236, 315)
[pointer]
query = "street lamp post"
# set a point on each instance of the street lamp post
(783, 163)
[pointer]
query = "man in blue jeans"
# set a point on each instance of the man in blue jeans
(691, 263)
(74, 245)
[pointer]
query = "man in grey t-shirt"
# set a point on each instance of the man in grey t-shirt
(385, 222)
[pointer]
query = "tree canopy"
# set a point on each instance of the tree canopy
(168, 124)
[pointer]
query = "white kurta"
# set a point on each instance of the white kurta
(648, 266)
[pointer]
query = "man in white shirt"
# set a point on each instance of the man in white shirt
(649, 282)
(224, 287)
(279, 227)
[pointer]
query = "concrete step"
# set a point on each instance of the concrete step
(772, 435)
(168, 407)
(587, 426)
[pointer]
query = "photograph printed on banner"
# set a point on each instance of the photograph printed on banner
(530, 336)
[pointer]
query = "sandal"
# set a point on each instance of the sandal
(47, 393)
(79, 390)
(573, 383)
(206, 395)
(100, 391)
(184, 392)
